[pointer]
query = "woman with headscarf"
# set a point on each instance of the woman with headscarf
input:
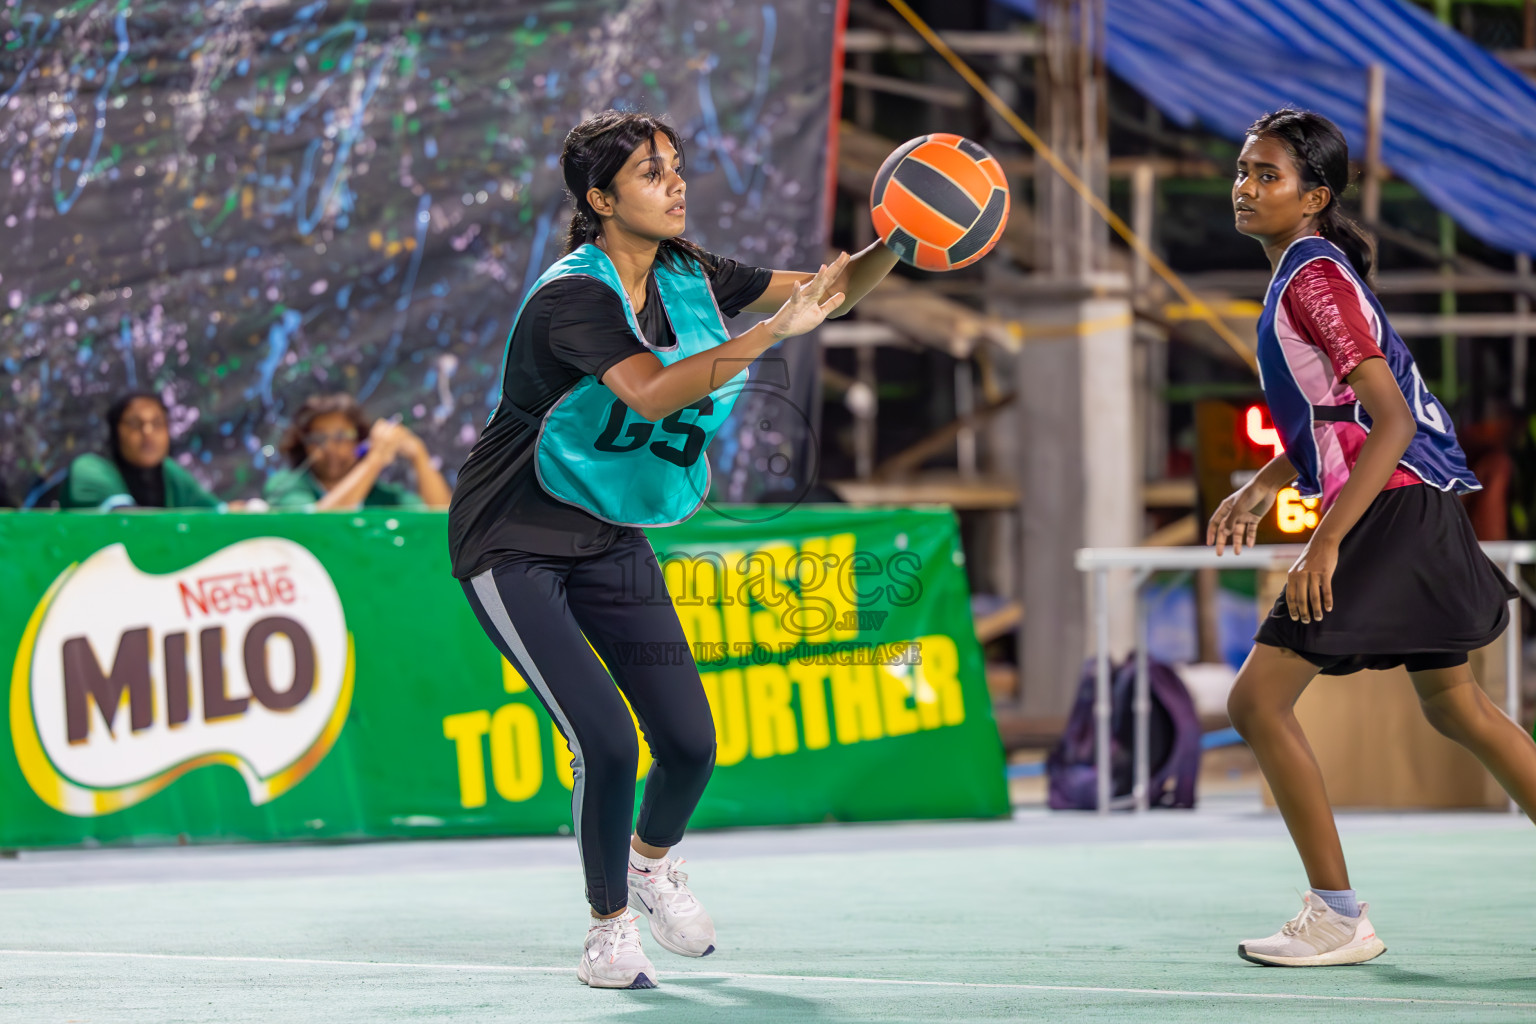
(137, 470)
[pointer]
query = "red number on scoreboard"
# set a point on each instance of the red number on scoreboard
(1260, 432)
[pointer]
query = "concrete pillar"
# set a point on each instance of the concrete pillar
(1079, 470)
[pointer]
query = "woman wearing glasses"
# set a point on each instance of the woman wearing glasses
(333, 470)
(137, 471)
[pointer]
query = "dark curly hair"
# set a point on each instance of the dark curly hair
(315, 406)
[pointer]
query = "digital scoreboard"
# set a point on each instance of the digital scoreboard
(1232, 443)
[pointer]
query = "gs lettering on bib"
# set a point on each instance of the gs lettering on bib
(595, 452)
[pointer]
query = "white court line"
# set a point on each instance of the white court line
(735, 976)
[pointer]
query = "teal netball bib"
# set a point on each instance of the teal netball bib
(594, 452)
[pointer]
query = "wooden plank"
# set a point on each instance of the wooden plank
(960, 494)
(913, 456)
(1002, 680)
(1028, 732)
(938, 95)
(1179, 533)
(1175, 492)
(861, 334)
(991, 44)
(915, 313)
(1253, 283)
(1420, 325)
(998, 623)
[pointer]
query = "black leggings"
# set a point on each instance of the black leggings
(536, 608)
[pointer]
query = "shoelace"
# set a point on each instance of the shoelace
(671, 883)
(1302, 921)
(621, 933)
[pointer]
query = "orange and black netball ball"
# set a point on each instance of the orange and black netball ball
(940, 202)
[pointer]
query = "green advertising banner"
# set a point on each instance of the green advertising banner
(214, 677)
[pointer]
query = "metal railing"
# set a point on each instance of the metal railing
(1143, 562)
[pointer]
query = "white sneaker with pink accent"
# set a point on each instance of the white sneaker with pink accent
(678, 920)
(1319, 936)
(612, 958)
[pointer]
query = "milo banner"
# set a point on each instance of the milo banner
(197, 677)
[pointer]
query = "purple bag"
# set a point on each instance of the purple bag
(1173, 738)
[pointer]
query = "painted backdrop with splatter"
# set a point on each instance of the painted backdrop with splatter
(237, 205)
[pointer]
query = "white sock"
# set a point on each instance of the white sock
(1342, 901)
(640, 862)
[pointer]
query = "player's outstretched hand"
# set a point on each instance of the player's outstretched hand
(1237, 518)
(809, 303)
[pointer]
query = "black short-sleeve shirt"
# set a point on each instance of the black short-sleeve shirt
(571, 328)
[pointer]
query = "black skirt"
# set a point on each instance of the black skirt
(1411, 587)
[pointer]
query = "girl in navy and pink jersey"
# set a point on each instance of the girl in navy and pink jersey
(1393, 574)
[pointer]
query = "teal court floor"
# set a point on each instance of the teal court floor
(1048, 917)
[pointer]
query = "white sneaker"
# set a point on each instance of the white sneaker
(612, 957)
(678, 920)
(1319, 936)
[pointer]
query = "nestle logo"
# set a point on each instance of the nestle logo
(237, 591)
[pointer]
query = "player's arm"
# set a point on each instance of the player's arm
(655, 392)
(1392, 428)
(1237, 518)
(430, 485)
(352, 490)
(857, 280)
(1324, 305)
(1309, 587)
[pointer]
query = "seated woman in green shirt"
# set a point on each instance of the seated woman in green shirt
(329, 473)
(137, 471)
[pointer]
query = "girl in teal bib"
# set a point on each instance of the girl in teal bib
(595, 452)
(618, 371)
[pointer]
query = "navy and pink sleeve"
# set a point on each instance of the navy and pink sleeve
(1325, 307)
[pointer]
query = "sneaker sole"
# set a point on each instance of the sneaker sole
(641, 979)
(1338, 958)
(639, 907)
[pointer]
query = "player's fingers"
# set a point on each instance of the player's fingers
(831, 304)
(1328, 592)
(1290, 597)
(1314, 596)
(830, 272)
(1253, 532)
(815, 280)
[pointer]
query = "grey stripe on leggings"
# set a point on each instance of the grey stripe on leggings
(490, 597)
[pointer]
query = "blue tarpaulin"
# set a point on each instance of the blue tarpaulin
(1459, 124)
